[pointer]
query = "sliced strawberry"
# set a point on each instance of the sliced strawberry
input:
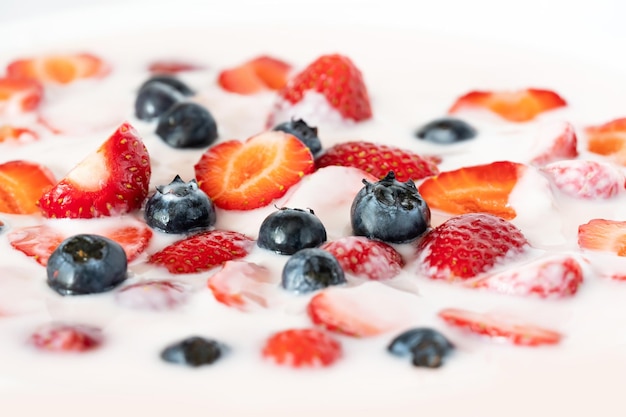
(479, 188)
(19, 95)
(586, 179)
(21, 185)
(8, 132)
(152, 295)
(302, 348)
(60, 69)
(378, 160)
(166, 66)
(366, 258)
(112, 181)
(556, 146)
(466, 245)
(337, 79)
(40, 241)
(259, 74)
(556, 277)
(514, 330)
(514, 106)
(603, 235)
(251, 174)
(60, 337)
(241, 285)
(202, 251)
(608, 139)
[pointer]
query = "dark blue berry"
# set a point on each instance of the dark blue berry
(179, 207)
(288, 230)
(390, 211)
(306, 134)
(86, 264)
(193, 351)
(171, 81)
(311, 269)
(187, 125)
(155, 99)
(446, 130)
(427, 346)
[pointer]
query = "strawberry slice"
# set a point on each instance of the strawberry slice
(514, 106)
(152, 295)
(479, 188)
(603, 235)
(19, 95)
(259, 74)
(302, 348)
(586, 179)
(608, 139)
(112, 181)
(202, 251)
(21, 185)
(378, 160)
(40, 241)
(556, 277)
(59, 69)
(242, 285)
(556, 146)
(8, 132)
(172, 66)
(366, 258)
(251, 174)
(498, 327)
(62, 337)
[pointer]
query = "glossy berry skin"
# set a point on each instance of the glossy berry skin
(187, 125)
(310, 270)
(427, 346)
(390, 211)
(86, 264)
(170, 81)
(154, 99)
(446, 130)
(288, 230)
(301, 130)
(179, 207)
(194, 351)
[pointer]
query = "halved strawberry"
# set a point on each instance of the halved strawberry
(251, 174)
(202, 251)
(152, 295)
(513, 330)
(467, 245)
(336, 79)
(241, 285)
(608, 139)
(302, 348)
(555, 143)
(19, 95)
(8, 132)
(366, 258)
(62, 337)
(479, 188)
(40, 241)
(586, 179)
(21, 185)
(172, 66)
(603, 235)
(378, 160)
(555, 277)
(60, 69)
(514, 106)
(259, 74)
(112, 181)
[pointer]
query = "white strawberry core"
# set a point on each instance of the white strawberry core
(91, 173)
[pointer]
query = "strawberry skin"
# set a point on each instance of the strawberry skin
(59, 69)
(608, 139)
(202, 251)
(493, 326)
(259, 74)
(586, 179)
(466, 245)
(19, 94)
(248, 175)
(60, 337)
(603, 235)
(378, 160)
(21, 185)
(514, 106)
(172, 66)
(302, 348)
(112, 181)
(479, 188)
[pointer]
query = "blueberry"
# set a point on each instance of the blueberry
(155, 99)
(390, 211)
(86, 264)
(179, 207)
(446, 130)
(287, 230)
(193, 351)
(306, 134)
(187, 125)
(427, 346)
(311, 269)
(171, 81)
